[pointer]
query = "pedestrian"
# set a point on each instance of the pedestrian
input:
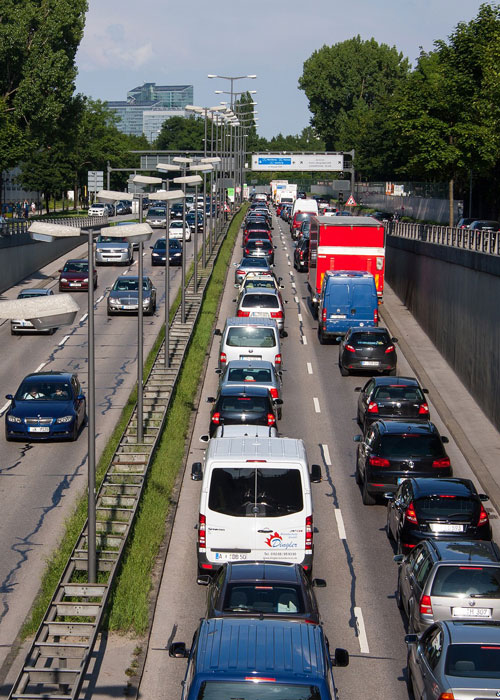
(33, 208)
(26, 208)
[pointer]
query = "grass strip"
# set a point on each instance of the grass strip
(74, 524)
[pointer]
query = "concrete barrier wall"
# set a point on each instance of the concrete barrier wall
(455, 296)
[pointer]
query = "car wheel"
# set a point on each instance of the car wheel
(368, 499)
(411, 685)
(74, 434)
(343, 371)
(397, 596)
(280, 413)
(392, 372)
(357, 475)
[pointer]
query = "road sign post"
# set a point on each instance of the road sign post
(95, 181)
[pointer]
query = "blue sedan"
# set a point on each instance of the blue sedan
(47, 406)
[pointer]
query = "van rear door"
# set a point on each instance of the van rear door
(337, 303)
(363, 302)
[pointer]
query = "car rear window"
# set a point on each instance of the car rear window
(245, 690)
(363, 339)
(263, 597)
(248, 404)
(264, 301)
(408, 446)
(468, 580)
(251, 492)
(398, 393)
(157, 211)
(111, 239)
(248, 262)
(249, 374)
(262, 244)
(251, 336)
(455, 508)
(302, 216)
(473, 661)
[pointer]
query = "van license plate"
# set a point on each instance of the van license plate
(471, 612)
(230, 556)
(338, 316)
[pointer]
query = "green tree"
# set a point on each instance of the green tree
(181, 134)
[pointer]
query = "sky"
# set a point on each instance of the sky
(127, 43)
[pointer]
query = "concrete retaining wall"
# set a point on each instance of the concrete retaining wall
(455, 296)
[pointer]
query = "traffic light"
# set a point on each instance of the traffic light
(341, 197)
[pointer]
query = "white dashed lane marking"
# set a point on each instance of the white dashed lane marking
(309, 368)
(340, 524)
(83, 318)
(360, 625)
(40, 367)
(100, 298)
(326, 451)
(4, 408)
(304, 340)
(66, 337)
(316, 405)
(296, 299)
(299, 316)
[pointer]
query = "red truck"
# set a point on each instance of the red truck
(345, 243)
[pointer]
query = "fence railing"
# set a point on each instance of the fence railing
(13, 227)
(464, 238)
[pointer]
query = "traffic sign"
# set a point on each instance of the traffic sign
(350, 202)
(95, 180)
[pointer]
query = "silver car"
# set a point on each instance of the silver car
(113, 251)
(124, 296)
(241, 373)
(455, 661)
(19, 325)
(249, 265)
(156, 217)
(449, 579)
(266, 303)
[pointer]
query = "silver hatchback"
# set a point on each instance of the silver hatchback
(241, 373)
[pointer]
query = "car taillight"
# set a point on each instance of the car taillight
(423, 409)
(243, 313)
(390, 349)
(276, 314)
(379, 462)
(375, 317)
(301, 254)
(202, 531)
(410, 514)
(309, 532)
(349, 347)
(483, 517)
(274, 392)
(240, 272)
(442, 463)
(425, 605)
(446, 696)
(271, 420)
(323, 315)
(216, 418)
(372, 407)
(223, 358)
(277, 359)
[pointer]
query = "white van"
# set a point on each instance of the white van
(255, 502)
(309, 205)
(250, 338)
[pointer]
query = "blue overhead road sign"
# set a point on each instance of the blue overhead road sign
(275, 161)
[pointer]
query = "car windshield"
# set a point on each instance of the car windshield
(129, 284)
(43, 391)
(447, 507)
(398, 393)
(111, 239)
(173, 243)
(176, 224)
(251, 492)
(259, 245)
(249, 336)
(98, 206)
(244, 404)
(157, 211)
(77, 266)
(471, 580)
(249, 374)
(473, 661)
(302, 216)
(364, 339)
(248, 262)
(264, 301)
(29, 295)
(243, 690)
(263, 597)
(259, 284)
(408, 446)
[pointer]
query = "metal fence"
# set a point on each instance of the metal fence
(464, 238)
(13, 227)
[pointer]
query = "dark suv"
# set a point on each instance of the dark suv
(252, 405)
(367, 350)
(391, 397)
(394, 450)
(426, 508)
(458, 580)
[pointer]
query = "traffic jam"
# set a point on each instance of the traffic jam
(269, 516)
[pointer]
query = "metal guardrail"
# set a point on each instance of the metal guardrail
(57, 660)
(13, 227)
(464, 238)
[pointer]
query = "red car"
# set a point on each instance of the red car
(254, 235)
(75, 276)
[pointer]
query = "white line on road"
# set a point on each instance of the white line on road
(309, 368)
(100, 298)
(299, 316)
(4, 408)
(296, 299)
(66, 337)
(304, 340)
(83, 318)
(316, 405)
(326, 454)
(363, 641)
(289, 262)
(340, 524)
(290, 273)
(293, 285)
(40, 367)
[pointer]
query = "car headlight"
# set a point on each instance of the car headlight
(86, 279)
(64, 419)
(14, 419)
(114, 302)
(176, 255)
(63, 279)
(156, 255)
(145, 302)
(123, 250)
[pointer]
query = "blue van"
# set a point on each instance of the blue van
(348, 299)
(260, 658)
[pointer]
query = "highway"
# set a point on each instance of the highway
(40, 482)
(352, 551)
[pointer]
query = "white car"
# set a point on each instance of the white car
(175, 231)
(98, 209)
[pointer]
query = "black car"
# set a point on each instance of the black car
(391, 397)
(304, 229)
(123, 208)
(301, 255)
(382, 215)
(257, 589)
(260, 249)
(159, 251)
(426, 508)
(370, 349)
(190, 218)
(394, 450)
(176, 211)
(252, 405)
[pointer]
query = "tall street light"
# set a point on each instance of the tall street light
(214, 161)
(186, 180)
(232, 78)
(204, 168)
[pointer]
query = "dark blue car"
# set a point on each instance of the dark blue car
(47, 406)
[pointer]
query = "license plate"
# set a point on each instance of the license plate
(370, 363)
(129, 306)
(250, 357)
(38, 429)
(259, 313)
(471, 612)
(230, 556)
(445, 527)
(338, 316)
(75, 284)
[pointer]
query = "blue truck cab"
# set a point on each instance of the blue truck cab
(259, 658)
(348, 299)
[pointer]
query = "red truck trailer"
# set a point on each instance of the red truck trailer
(345, 243)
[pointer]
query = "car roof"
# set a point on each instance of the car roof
(473, 632)
(463, 551)
(398, 427)
(426, 486)
(261, 290)
(396, 381)
(262, 571)
(250, 364)
(255, 262)
(38, 292)
(372, 331)
(76, 260)
(243, 390)
(131, 277)
(235, 647)
(255, 321)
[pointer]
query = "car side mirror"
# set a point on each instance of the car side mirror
(278, 402)
(210, 399)
(398, 558)
(235, 264)
(389, 496)
(80, 397)
(394, 340)
(444, 439)
(358, 438)
(204, 438)
(358, 388)
(234, 300)
(338, 338)
(316, 473)
(218, 371)
(411, 639)
(319, 582)
(341, 657)
(426, 391)
(151, 246)
(178, 650)
(9, 396)
(282, 286)
(203, 580)
(196, 471)
(284, 334)
(217, 331)
(484, 497)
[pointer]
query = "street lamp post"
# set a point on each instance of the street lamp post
(187, 180)
(232, 78)
(204, 168)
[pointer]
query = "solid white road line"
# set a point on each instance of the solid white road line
(363, 641)
(40, 367)
(326, 453)
(4, 408)
(340, 524)
(304, 340)
(309, 368)
(83, 318)
(66, 337)
(316, 405)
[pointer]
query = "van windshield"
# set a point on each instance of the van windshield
(251, 492)
(246, 690)
(248, 336)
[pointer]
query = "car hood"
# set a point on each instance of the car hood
(31, 408)
(79, 276)
(129, 294)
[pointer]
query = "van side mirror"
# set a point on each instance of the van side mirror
(341, 657)
(9, 396)
(444, 439)
(177, 650)
(210, 399)
(357, 438)
(426, 391)
(284, 334)
(278, 402)
(398, 558)
(196, 471)
(411, 639)
(218, 371)
(315, 473)
(338, 338)
(217, 331)
(389, 496)
(358, 388)
(204, 438)
(319, 582)
(203, 580)
(394, 340)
